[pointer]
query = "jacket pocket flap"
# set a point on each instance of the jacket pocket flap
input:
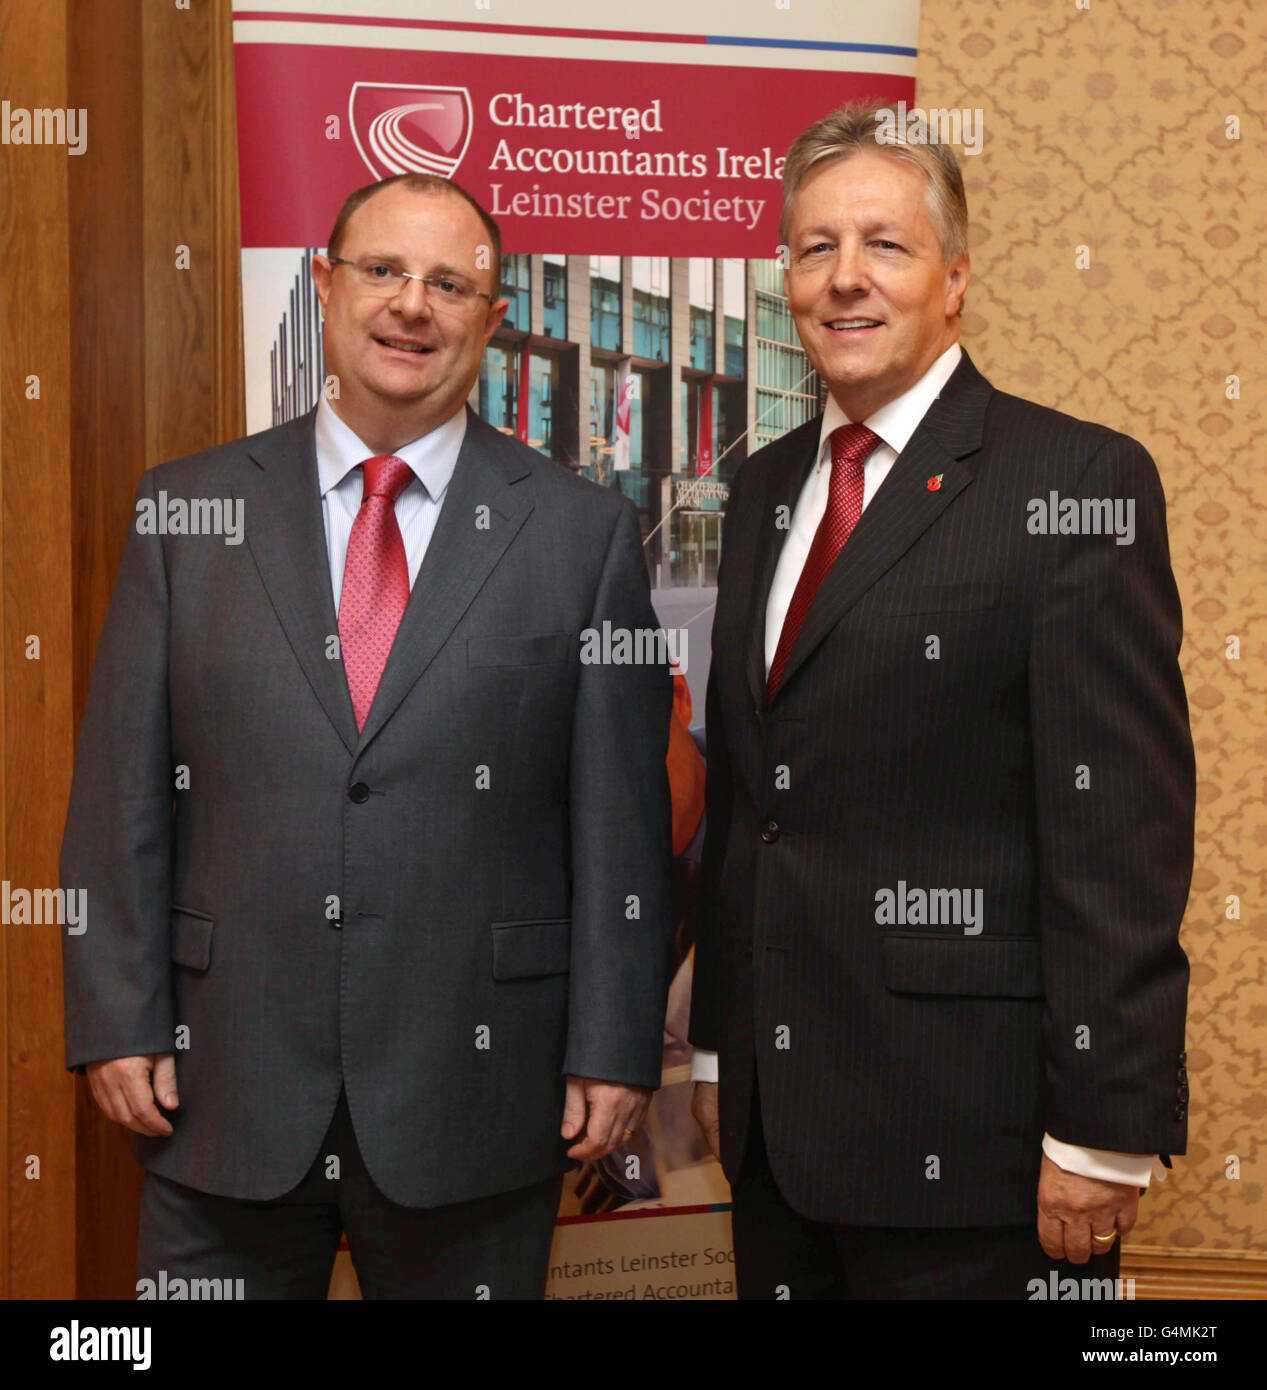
(941, 598)
(524, 949)
(191, 938)
(1008, 967)
(518, 650)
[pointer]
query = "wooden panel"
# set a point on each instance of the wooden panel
(157, 370)
(158, 374)
(178, 179)
(107, 460)
(107, 353)
(230, 394)
(35, 319)
(1163, 1273)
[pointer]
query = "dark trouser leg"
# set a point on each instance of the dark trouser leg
(778, 1252)
(494, 1247)
(279, 1249)
(985, 1262)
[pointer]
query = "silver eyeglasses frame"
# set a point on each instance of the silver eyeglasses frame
(432, 282)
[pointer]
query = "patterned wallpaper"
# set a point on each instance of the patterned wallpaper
(1106, 127)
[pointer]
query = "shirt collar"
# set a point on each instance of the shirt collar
(899, 419)
(432, 457)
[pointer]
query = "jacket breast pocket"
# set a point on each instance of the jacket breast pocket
(519, 650)
(524, 950)
(1001, 967)
(940, 598)
(191, 937)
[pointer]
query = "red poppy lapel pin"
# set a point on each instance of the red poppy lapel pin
(935, 483)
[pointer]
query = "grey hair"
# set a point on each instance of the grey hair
(856, 127)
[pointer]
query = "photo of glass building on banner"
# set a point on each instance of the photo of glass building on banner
(656, 375)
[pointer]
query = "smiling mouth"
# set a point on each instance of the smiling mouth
(852, 326)
(404, 345)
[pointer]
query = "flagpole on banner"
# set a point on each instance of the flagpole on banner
(524, 392)
(624, 408)
(704, 446)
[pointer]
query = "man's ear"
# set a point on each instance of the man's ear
(496, 312)
(322, 273)
(957, 285)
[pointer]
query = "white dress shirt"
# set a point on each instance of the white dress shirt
(895, 423)
(432, 458)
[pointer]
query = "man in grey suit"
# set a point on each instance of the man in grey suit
(376, 864)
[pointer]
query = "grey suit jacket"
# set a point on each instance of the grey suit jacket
(449, 911)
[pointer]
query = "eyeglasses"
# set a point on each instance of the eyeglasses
(388, 280)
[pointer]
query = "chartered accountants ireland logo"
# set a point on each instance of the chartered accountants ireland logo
(400, 128)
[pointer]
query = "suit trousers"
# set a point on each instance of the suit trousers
(495, 1247)
(779, 1253)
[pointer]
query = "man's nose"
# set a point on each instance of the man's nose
(412, 299)
(849, 274)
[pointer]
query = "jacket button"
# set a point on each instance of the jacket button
(770, 831)
(1183, 1094)
(358, 792)
(1181, 1112)
(1183, 1059)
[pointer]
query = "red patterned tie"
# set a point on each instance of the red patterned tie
(850, 445)
(375, 582)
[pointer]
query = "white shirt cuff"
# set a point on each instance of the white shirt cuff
(703, 1065)
(1104, 1164)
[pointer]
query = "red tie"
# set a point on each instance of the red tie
(375, 582)
(850, 445)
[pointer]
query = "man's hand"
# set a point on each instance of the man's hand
(1071, 1209)
(602, 1111)
(125, 1089)
(704, 1108)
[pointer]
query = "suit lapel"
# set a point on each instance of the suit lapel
(481, 515)
(904, 507)
(286, 536)
(783, 486)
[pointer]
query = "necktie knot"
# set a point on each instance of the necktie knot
(385, 476)
(850, 445)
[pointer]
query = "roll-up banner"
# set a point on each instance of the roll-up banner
(633, 162)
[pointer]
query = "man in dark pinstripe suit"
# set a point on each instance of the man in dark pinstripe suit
(939, 993)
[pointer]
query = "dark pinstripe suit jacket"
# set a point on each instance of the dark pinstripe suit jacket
(1038, 751)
